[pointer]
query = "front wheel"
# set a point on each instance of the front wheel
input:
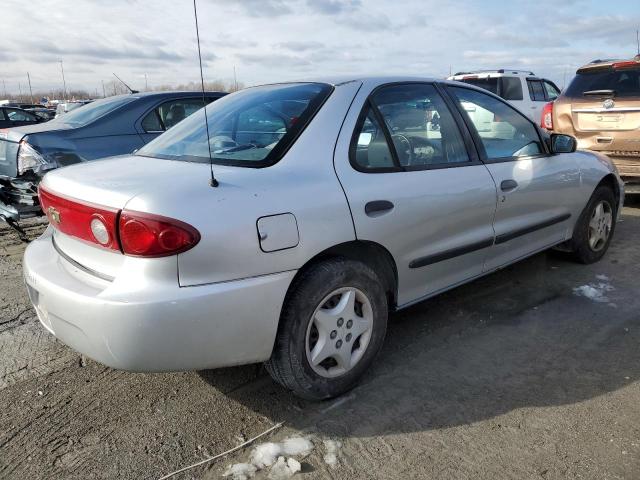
(594, 229)
(332, 326)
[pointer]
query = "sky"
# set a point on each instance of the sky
(273, 40)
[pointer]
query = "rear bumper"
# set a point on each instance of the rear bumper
(159, 327)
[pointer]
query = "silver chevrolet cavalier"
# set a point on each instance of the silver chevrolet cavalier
(287, 227)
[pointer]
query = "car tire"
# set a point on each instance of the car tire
(592, 226)
(332, 298)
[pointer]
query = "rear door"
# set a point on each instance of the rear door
(536, 191)
(415, 185)
(538, 98)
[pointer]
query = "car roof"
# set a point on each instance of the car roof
(599, 64)
(336, 80)
(498, 72)
(172, 93)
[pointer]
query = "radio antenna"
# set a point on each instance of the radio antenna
(127, 86)
(213, 182)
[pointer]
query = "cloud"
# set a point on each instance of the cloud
(299, 45)
(333, 7)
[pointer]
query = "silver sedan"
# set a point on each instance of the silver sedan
(287, 227)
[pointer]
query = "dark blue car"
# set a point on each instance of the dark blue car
(111, 126)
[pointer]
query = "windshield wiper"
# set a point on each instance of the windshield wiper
(599, 93)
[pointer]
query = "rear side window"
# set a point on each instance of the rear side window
(419, 125)
(536, 90)
(623, 83)
(250, 128)
(370, 150)
(504, 132)
(511, 88)
(490, 84)
(170, 113)
(19, 115)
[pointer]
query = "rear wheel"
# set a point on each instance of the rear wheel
(332, 326)
(594, 229)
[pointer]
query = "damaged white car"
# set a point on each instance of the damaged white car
(333, 204)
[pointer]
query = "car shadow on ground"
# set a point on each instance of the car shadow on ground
(517, 338)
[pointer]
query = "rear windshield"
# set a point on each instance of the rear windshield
(509, 88)
(85, 114)
(250, 128)
(624, 83)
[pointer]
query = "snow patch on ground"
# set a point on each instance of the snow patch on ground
(332, 449)
(240, 471)
(284, 469)
(273, 455)
(596, 291)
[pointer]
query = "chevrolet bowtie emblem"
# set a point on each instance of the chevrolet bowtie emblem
(54, 215)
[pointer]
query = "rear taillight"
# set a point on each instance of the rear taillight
(546, 120)
(146, 235)
(86, 221)
(133, 233)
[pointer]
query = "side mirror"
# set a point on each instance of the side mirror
(563, 143)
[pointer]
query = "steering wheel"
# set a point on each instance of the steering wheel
(404, 148)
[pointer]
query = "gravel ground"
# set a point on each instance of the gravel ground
(522, 374)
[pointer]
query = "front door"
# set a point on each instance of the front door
(416, 187)
(536, 191)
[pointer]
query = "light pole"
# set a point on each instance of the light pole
(30, 91)
(104, 92)
(4, 87)
(64, 83)
(146, 85)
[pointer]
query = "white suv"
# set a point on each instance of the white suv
(512, 85)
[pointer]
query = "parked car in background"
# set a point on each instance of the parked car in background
(66, 107)
(601, 108)
(521, 88)
(23, 106)
(335, 204)
(16, 117)
(106, 127)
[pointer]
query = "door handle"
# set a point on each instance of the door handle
(378, 207)
(508, 185)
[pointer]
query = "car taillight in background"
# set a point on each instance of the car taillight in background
(546, 120)
(30, 159)
(133, 233)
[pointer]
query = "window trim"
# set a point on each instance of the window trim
(477, 140)
(459, 122)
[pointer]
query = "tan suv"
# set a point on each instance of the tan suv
(601, 108)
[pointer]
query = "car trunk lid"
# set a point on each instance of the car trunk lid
(103, 189)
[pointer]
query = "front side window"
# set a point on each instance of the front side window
(504, 132)
(2, 117)
(250, 128)
(421, 127)
(170, 113)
